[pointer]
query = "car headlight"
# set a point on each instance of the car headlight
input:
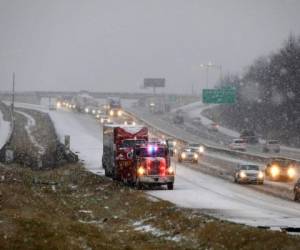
(101, 120)
(260, 175)
(201, 149)
(86, 110)
(125, 123)
(93, 111)
(243, 174)
(111, 112)
(275, 171)
(133, 123)
(183, 155)
(119, 112)
(108, 120)
(291, 172)
(196, 156)
(58, 104)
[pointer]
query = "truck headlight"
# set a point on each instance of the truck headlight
(260, 175)
(111, 112)
(183, 155)
(170, 170)
(141, 171)
(275, 171)
(243, 174)
(119, 112)
(201, 149)
(291, 172)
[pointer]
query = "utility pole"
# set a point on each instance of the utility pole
(13, 94)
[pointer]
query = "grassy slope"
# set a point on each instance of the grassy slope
(69, 208)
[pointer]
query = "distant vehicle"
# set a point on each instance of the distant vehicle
(130, 122)
(271, 146)
(249, 136)
(83, 102)
(281, 169)
(178, 117)
(247, 173)
(105, 119)
(99, 114)
(214, 127)
(297, 190)
(238, 144)
(114, 107)
(197, 121)
(196, 148)
(187, 155)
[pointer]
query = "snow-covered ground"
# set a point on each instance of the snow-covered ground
(4, 130)
(86, 137)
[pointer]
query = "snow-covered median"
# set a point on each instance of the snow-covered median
(4, 130)
(29, 127)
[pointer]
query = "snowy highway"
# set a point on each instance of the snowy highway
(193, 189)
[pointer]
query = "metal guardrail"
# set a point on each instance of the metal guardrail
(250, 156)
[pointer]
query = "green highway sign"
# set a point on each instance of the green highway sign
(219, 96)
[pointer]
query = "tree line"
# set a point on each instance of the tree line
(268, 95)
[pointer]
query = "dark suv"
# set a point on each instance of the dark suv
(249, 136)
(281, 169)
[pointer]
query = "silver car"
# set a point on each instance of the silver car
(248, 173)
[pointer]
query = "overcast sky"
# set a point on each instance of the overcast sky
(113, 45)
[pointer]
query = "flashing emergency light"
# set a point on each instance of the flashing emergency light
(152, 148)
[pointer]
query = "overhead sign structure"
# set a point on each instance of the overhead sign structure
(154, 82)
(219, 96)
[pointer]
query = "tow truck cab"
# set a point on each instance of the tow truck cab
(153, 165)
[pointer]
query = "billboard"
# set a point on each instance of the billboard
(154, 82)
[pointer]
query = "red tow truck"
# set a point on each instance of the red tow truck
(129, 157)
